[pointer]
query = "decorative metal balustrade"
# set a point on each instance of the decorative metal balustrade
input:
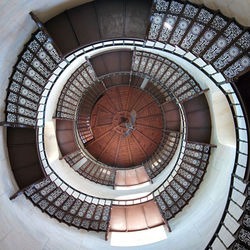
(91, 170)
(82, 104)
(195, 61)
(163, 155)
(218, 40)
(198, 35)
(31, 73)
(73, 91)
(65, 205)
(175, 194)
(166, 73)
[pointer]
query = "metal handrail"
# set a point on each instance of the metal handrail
(228, 95)
(233, 175)
(113, 200)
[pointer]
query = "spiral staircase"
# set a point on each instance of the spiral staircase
(83, 71)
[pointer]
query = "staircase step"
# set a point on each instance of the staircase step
(110, 15)
(66, 136)
(85, 23)
(60, 29)
(111, 62)
(23, 156)
(198, 119)
(132, 177)
(137, 18)
(135, 217)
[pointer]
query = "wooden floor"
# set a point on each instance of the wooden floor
(109, 145)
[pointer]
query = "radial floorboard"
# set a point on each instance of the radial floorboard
(108, 123)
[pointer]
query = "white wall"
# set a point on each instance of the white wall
(24, 227)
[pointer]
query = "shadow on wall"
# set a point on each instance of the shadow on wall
(47, 12)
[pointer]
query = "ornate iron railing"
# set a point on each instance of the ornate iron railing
(239, 177)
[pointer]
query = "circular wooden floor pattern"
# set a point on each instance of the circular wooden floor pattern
(109, 118)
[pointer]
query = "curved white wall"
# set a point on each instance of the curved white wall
(23, 226)
(239, 9)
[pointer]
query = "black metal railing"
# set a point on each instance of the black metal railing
(241, 169)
